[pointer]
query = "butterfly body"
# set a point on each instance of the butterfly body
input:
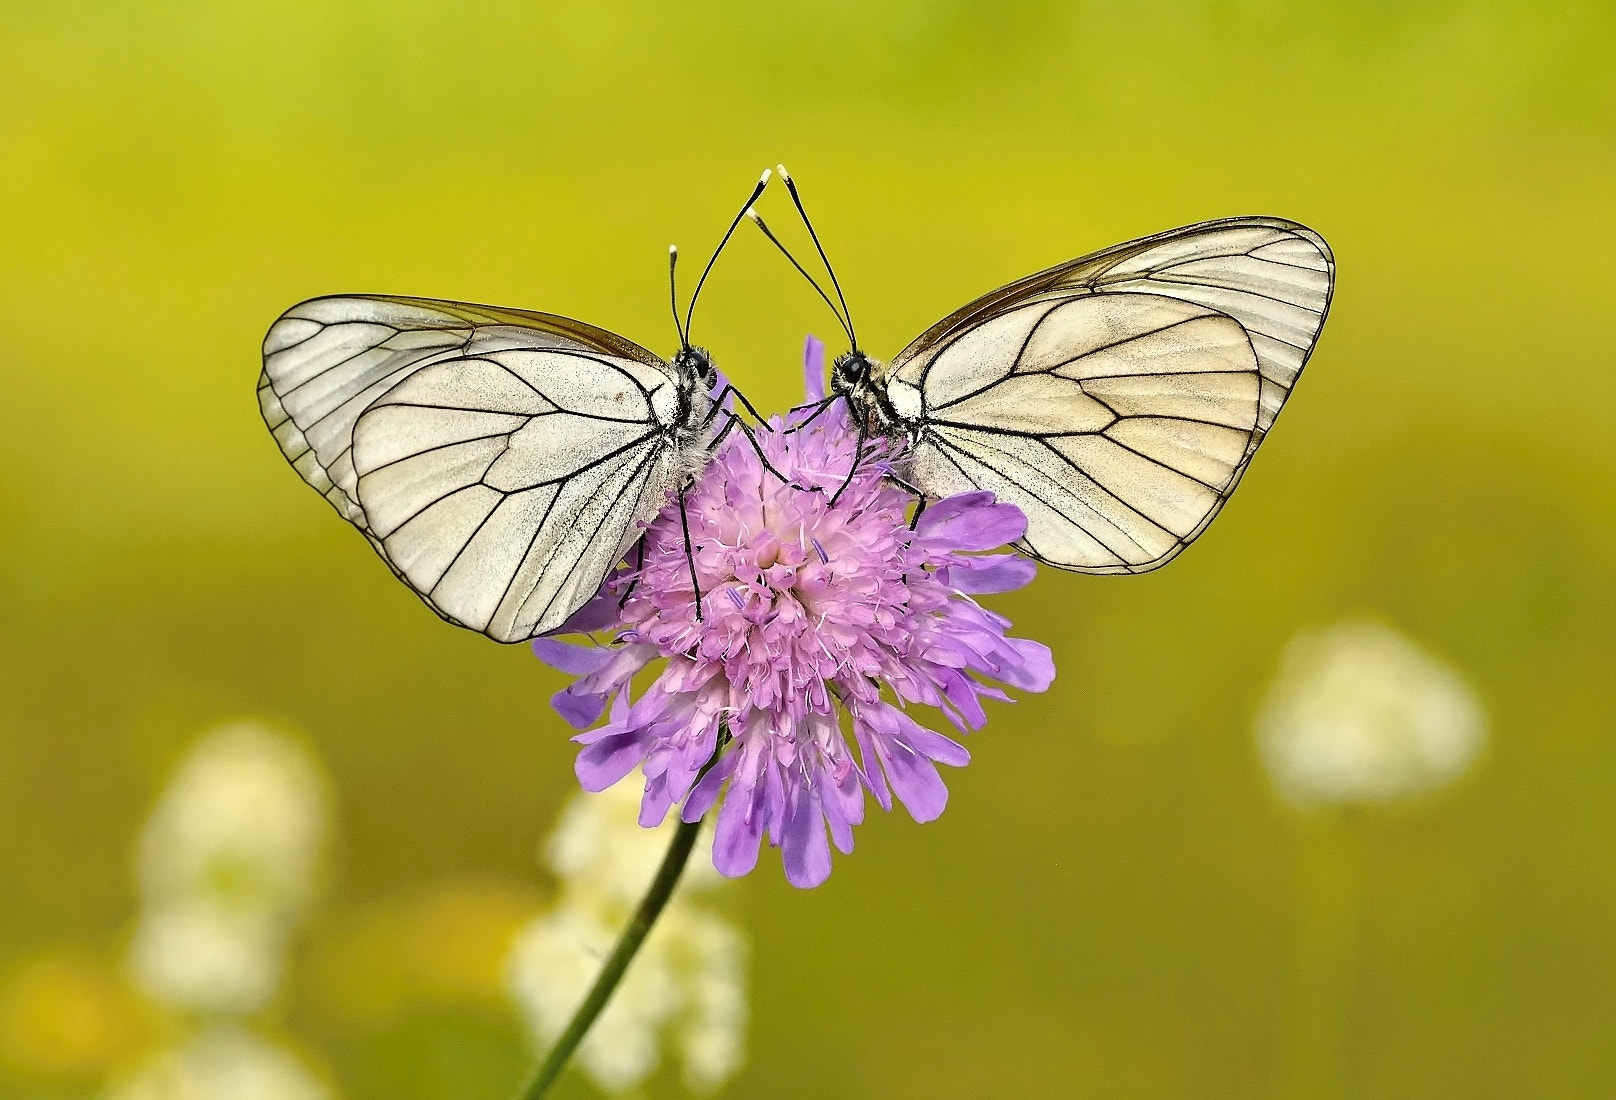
(859, 380)
(691, 419)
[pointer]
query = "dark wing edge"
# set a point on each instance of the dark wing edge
(580, 333)
(1087, 271)
(315, 433)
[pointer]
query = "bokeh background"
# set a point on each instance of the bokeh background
(1116, 902)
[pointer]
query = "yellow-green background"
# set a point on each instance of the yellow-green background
(1115, 904)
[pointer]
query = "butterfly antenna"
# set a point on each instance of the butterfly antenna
(673, 296)
(796, 199)
(786, 252)
(745, 206)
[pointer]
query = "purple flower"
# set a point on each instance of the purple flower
(809, 612)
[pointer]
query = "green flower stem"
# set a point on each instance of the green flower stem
(650, 907)
(628, 944)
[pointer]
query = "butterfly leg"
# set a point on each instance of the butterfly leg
(749, 408)
(818, 407)
(730, 390)
(639, 567)
(718, 405)
(920, 506)
(751, 437)
(914, 490)
(858, 456)
(737, 422)
(690, 555)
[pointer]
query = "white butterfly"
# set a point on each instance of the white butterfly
(1116, 399)
(501, 461)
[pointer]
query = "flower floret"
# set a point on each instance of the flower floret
(810, 610)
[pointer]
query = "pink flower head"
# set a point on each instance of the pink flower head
(809, 612)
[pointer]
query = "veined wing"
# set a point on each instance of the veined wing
(328, 359)
(1118, 399)
(1120, 427)
(504, 486)
(1274, 277)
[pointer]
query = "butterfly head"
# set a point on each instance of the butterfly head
(695, 367)
(851, 372)
(854, 376)
(695, 380)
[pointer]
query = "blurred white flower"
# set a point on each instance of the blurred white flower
(598, 846)
(240, 822)
(711, 954)
(196, 955)
(222, 1063)
(1358, 713)
(227, 862)
(689, 976)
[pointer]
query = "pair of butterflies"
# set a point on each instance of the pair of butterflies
(502, 461)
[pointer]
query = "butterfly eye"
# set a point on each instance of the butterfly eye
(699, 365)
(852, 369)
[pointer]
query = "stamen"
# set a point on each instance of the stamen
(824, 558)
(735, 598)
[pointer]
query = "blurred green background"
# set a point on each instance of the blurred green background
(1115, 903)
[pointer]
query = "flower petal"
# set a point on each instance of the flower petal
(574, 660)
(972, 521)
(741, 819)
(874, 778)
(806, 853)
(705, 792)
(934, 746)
(813, 368)
(598, 613)
(843, 803)
(736, 840)
(901, 745)
(690, 752)
(1032, 668)
(916, 783)
(580, 710)
(988, 574)
(605, 761)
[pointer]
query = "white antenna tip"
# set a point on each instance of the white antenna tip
(673, 250)
(753, 214)
(765, 177)
(783, 173)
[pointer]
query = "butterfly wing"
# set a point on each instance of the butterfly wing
(504, 487)
(326, 360)
(1118, 398)
(498, 460)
